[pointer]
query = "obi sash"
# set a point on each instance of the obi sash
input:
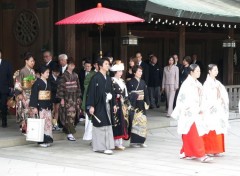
(71, 86)
(44, 95)
(140, 93)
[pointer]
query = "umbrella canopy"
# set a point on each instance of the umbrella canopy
(100, 16)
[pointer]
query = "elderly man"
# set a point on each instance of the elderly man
(144, 66)
(62, 58)
(154, 82)
(48, 59)
(6, 83)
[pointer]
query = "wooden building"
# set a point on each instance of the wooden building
(183, 27)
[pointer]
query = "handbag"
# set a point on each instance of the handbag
(163, 97)
(11, 103)
(88, 129)
(35, 129)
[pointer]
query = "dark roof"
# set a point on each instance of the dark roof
(213, 10)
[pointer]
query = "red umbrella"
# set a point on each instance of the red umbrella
(99, 16)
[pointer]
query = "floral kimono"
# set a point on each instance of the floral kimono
(24, 80)
(216, 105)
(188, 113)
(138, 119)
(216, 114)
(41, 99)
(69, 90)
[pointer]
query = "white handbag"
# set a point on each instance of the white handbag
(35, 129)
(88, 129)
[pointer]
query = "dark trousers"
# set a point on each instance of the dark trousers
(175, 99)
(154, 96)
(3, 108)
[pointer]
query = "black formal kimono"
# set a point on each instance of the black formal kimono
(120, 128)
(134, 85)
(138, 105)
(102, 134)
(43, 103)
(96, 97)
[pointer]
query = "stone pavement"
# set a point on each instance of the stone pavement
(11, 136)
(66, 158)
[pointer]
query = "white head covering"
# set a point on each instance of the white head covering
(117, 67)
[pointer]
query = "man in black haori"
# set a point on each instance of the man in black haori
(101, 106)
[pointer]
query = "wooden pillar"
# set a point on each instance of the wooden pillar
(182, 41)
(69, 32)
(166, 50)
(228, 62)
(123, 48)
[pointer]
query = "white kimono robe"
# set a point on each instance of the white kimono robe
(215, 106)
(188, 107)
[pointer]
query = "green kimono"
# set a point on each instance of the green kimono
(86, 84)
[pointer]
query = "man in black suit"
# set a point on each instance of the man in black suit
(154, 82)
(62, 60)
(6, 84)
(48, 59)
(145, 67)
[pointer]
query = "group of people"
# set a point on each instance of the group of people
(117, 108)
(202, 112)
(59, 95)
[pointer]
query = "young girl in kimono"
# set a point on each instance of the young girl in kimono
(69, 93)
(189, 114)
(40, 104)
(216, 112)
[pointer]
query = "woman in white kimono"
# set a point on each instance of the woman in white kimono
(216, 112)
(189, 115)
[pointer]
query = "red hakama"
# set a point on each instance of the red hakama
(214, 143)
(193, 144)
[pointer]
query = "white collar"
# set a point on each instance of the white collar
(64, 68)
(0, 60)
(55, 78)
(48, 62)
(121, 84)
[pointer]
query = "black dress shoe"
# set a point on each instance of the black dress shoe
(4, 125)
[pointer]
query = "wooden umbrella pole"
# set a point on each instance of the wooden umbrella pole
(100, 41)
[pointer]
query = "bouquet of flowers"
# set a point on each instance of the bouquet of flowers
(28, 82)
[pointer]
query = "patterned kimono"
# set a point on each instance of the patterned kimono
(44, 105)
(138, 123)
(120, 129)
(190, 119)
(216, 114)
(22, 106)
(69, 90)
